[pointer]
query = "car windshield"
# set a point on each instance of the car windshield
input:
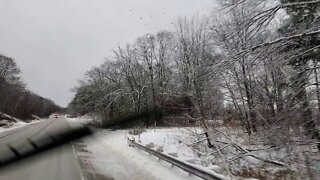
(159, 89)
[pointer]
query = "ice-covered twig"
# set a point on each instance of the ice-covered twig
(300, 35)
(278, 163)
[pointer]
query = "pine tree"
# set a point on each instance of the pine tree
(302, 18)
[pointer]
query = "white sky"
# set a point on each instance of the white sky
(56, 41)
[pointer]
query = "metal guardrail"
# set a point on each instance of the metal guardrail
(175, 162)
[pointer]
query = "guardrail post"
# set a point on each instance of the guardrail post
(130, 142)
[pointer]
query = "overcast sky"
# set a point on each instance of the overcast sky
(55, 41)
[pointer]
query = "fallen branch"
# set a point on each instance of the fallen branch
(219, 149)
(261, 159)
(233, 143)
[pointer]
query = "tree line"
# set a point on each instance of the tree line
(254, 65)
(15, 99)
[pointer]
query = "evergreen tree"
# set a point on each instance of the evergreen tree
(302, 19)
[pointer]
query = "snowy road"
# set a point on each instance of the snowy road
(57, 164)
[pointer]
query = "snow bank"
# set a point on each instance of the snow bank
(108, 153)
(9, 122)
(4, 116)
(178, 142)
(18, 125)
(12, 126)
(86, 119)
(172, 140)
(258, 159)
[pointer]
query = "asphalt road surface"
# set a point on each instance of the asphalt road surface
(56, 164)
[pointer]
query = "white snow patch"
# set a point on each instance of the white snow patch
(180, 141)
(111, 155)
(18, 125)
(86, 119)
(173, 140)
(8, 117)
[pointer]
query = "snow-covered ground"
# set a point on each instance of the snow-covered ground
(245, 156)
(82, 119)
(179, 142)
(107, 153)
(173, 140)
(13, 126)
(11, 123)
(18, 125)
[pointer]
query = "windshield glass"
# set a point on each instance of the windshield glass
(211, 89)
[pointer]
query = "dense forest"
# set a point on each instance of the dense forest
(15, 99)
(253, 64)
